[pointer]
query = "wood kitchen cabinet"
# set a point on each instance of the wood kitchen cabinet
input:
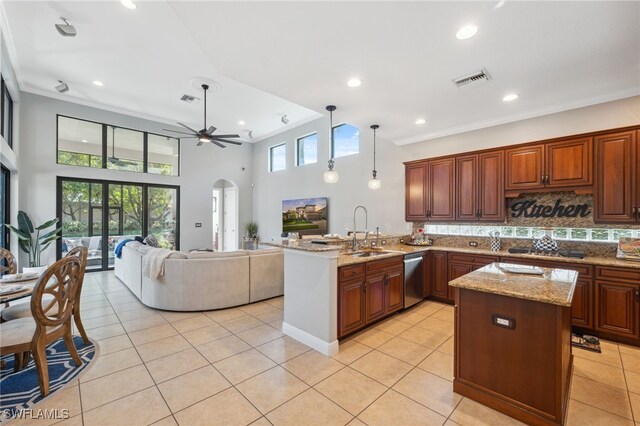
(618, 301)
(617, 188)
(430, 190)
(439, 282)
(461, 264)
(525, 168)
(374, 299)
(416, 192)
(351, 306)
(480, 187)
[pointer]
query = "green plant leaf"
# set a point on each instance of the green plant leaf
(45, 247)
(47, 224)
(24, 223)
(23, 236)
(23, 246)
(48, 240)
(48, 234)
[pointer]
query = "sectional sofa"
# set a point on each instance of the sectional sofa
(200, 281)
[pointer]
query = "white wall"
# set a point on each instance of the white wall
(200, 168)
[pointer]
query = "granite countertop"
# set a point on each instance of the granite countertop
(555, 286)
(304, 245)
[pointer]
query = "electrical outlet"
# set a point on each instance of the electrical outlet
(473, 244)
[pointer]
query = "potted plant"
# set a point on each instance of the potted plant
(251, 240)
(32, 242)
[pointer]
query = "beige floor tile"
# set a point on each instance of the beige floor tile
(469, 413)
(427, 308)
(381, 367)
(405, 350)
(259, 335)
(309, 408)
(283, 349)
(86, 305)
(601, 396)
(174, 365)
(312, 367)
(439, 364)
(356, 422)
(244, 365)
(635, 406)
(440, 396)
(395, 409)
(277, 324)
(410, 317)
(598, 372)
(610, 355)
(422, 336)
(142, 323)
(255, 308)
(190, 388)
(373, 337)
(447, 347)
(223, 348)
(206, 334)
(114, 344)
(633, 382)
(105, 332)
(192, 323)
(178, 316)
(437, 325)
(580, 414)
(229, 406)
(107, 364)
(628, 349)
(269, 315)
(66, 399)
(350, 351)
(272, 388)
(351, 390)
(237, 325)
(163, 347)
(91, 323)
(135, 314)
(114, 386)
(631, 361)
(126, 306)
(225, 314)
(393, 326)
(277, 302)
(141, 408)
(153, 333)
(262, 421)
(167, 421)
(445, 315)
(96, 312)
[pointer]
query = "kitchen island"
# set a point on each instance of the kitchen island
(513, 341)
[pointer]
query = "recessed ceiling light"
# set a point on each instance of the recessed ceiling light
(129, 4)
(98, 83)
(84, 140)
(466, 32)
(420, 121)
(242, 123)
(510, 97)
(354, 82)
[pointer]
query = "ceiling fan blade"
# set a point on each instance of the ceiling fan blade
(175, 131)
(226, 141)
(210, 130)
(227, 136)
(188, 128)
(199, 143)
(217, 143)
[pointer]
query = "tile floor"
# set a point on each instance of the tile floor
(235, 367)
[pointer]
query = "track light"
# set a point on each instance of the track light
(284, 119)
(62, 87)
(66, 29)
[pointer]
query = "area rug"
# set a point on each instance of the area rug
(584, 341)
(19, 391)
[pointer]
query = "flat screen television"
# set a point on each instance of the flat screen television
(307, 216)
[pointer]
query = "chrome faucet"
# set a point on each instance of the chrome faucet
(354, 245)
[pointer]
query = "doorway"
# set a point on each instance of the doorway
(225, 215)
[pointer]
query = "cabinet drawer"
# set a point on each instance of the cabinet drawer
(384, 264)
(584, 271)
(472, 258)
(351, 271)
(618, 274)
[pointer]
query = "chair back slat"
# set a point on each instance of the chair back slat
(59, 282)
(81, 253)
(10, 259)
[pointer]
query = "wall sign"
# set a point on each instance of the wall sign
(530, 208)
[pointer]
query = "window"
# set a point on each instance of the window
(79, 142)
(163, 155)
(346, 140)
(277, 157)
(4, 208)
(6, 125)
(125, 149)
(307, 149)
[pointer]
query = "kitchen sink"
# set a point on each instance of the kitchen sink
(372, 253)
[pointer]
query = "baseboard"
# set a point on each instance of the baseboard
(326, 348)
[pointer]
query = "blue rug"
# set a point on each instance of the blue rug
(20, 391)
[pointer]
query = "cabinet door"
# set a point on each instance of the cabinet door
(439, 274)
(615, 183)
(441, 190)
(525, 168)
(569, 163)
(416, 192)
(467, 188)
(491, 186)
(582, 305)
(374, 294)
(351, 306)
(456, 270)
(637, 173)
(394, 291)
(427, 275)
(617, 308)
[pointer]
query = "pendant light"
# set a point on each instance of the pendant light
(374, 182)
(331, 176)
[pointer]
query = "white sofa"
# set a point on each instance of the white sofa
(201, 281)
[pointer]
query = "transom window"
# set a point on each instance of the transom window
(307, 149)
(277, 157)
(6, 109)
(346, 140)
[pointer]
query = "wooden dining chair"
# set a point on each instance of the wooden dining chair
(24, 310)
(52, 308)
(11, 266)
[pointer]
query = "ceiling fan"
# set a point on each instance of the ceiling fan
(206, 135)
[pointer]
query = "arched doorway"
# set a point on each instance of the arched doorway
(225, 215)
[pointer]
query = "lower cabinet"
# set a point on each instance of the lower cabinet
(462, 264)
(374, 296)
(439, 282)
(617, 308)
(351, 306)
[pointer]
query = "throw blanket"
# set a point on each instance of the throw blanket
(153, 262)
(118, 250)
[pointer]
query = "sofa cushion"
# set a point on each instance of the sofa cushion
(178, 255)
(215, 254)
(143, 249)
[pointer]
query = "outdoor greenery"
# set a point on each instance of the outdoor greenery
(79, 159)
(32, 244)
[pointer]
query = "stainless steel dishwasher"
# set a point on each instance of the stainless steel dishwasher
(413, 282)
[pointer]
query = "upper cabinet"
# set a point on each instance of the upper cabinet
(617, 191)
(415, 186)
(563, 164)
(480, 187)
(429, 190)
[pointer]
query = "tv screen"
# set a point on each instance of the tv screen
(307, 216)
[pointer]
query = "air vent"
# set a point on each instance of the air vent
(189, 99)
(476, 78)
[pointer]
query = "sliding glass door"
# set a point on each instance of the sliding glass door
(128, 209)
(4, 208)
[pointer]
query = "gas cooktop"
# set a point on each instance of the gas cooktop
(577, 254)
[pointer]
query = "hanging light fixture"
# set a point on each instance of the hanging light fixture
(331, 176)
(374, 182)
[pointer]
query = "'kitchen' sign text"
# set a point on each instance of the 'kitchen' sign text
(529, 208)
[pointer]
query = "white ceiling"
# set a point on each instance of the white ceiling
(294, 58)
